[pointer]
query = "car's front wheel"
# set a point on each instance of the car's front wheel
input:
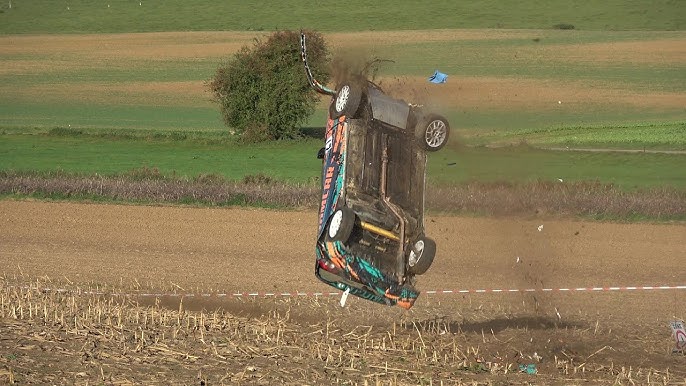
(341, 224)
(348, 97)
(432, 132)
(421, 255)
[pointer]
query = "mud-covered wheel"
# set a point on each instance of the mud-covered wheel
(347, 101)
(432, 132)
(341, 224)
(421, 256)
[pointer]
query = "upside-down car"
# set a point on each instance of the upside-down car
(371, 241)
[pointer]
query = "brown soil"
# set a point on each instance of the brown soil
(503, 93)
(157, 46)
(187, 93)
(203, 250)
(487, 93)
(664, 51)
(185, 45)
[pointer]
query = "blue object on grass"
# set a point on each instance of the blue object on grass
(529, 369)
(438, 77)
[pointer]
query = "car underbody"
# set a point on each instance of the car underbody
(385, 188)
(371, 240)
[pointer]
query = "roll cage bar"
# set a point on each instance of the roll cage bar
(320, 88)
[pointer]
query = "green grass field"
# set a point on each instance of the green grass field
(73, 86)
(295, 161)
(617, 80)
(663, 136)
(82, 16)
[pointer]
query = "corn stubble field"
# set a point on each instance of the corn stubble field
(84, 338)
(69, 315)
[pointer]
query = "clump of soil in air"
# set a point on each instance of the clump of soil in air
(358, 62)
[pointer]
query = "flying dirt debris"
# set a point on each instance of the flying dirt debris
(371, 240)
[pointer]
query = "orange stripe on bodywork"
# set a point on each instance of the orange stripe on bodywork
(391, 296)
(404, 304)
(329, 127)
(338, 140)
(335, 256)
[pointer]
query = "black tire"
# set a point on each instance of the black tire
(432, 132)
(341, 225)
(347, 100)
(419, 263)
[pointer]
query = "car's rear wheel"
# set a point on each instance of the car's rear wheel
(341, 224)
(432, 132)
(348, 97)
(421, 255)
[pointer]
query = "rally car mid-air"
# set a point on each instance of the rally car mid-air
(371, 240)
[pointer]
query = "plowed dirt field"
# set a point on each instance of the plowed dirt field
(101, 256)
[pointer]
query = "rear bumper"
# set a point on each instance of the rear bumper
(360, 276)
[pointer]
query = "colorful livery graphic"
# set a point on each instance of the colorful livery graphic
(371, 240)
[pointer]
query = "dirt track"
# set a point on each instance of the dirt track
(211, 249)
(228, 250)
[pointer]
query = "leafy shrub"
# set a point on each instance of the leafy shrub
(144, 173)
(257, 179)
(563, 26)
(536, 198)
(256, 132)
(209, 178)
(262, 90)
(64, 132)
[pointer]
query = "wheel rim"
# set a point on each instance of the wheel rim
(435, 133)
(335, 224)
(414, 258)
(342, 98)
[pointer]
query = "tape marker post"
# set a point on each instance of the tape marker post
(241, 294)
(679, 335)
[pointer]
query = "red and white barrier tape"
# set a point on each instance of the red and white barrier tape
(575, 289)
(317, 294)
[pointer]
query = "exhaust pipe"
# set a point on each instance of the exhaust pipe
(400, 256)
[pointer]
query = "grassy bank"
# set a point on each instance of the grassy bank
(190, 154)
(657, 136)
(528, 199)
